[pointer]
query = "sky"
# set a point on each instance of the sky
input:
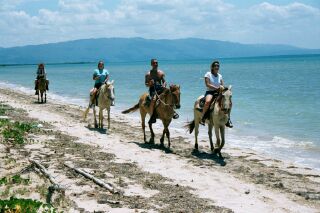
(25, 22)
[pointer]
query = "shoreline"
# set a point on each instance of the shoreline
(251, 142)
(245, 181)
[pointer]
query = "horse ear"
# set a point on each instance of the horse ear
(229, 87)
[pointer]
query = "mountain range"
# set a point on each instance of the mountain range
(140, 49)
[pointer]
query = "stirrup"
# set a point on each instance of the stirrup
(175, 115)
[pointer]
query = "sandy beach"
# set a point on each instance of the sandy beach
(147, 178)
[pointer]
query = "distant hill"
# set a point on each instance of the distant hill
(139, 49)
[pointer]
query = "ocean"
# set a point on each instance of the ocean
(276, 100)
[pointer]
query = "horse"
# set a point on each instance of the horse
(167, 101)
(218, 118)
(42, 89)
(105, 98)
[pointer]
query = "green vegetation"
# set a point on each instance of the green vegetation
(18, 205)
(16, 179)
(14, 132)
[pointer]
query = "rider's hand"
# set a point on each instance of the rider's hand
(151, 82)
(221, 87)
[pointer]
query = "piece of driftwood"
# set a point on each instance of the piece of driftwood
(107, 186)
(55, 186)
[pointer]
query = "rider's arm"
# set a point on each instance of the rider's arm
(147, 80)
(211, 86)
(164, 83)
(95, 76)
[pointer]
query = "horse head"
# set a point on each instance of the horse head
(110, 90)
(225, 100)
(175, 91)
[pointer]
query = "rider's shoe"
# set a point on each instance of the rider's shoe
(175, 115)
(229, 124)
(112, 103)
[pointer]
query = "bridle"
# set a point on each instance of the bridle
(173, 106)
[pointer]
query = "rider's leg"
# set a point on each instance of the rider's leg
(205, 108)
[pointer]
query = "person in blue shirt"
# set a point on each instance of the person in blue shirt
(100, 76)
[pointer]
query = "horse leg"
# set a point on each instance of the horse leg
(100, 118)
(41, 97)
(143, 124)
(216, 130)
(168, 136)
(38, 97)
(222, 131)
(196, 133)
(210, 126)
(108, 118)
(95, 117)
(151, 132)
(45, 97)
(162, 137)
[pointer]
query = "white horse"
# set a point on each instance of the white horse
(218, 119)
(105, 98)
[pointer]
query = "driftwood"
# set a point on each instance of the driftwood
(107, 186)
(54, 187)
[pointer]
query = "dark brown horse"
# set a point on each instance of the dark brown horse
(167, 101)
(42, 89)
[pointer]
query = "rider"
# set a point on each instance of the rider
(41, 73)
(154, 79)
(100, 76)
(214, 83)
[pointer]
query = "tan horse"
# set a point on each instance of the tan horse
(218, 118)
(105, 98)
(42, 89)
(167, 101)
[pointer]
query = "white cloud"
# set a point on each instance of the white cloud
(214, 19)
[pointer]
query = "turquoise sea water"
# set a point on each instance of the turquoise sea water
(276, 100)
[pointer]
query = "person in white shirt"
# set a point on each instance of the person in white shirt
(214, 83)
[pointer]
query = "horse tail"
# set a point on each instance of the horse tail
(190, 126)
(132, 109)
(85, 113)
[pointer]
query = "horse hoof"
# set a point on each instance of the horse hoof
(151, 141)
(96, 126)
(196, 147)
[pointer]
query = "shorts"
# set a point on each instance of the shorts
(97, 85)
(213, 93)
(158, 88)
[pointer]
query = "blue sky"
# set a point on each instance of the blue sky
(24, 22)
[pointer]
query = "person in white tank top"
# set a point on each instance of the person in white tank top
(214, 83)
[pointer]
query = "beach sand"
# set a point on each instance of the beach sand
(149, 178)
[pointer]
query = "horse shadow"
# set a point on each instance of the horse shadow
(217, 158)
(36, 102)
(153, 146)
(101, 131)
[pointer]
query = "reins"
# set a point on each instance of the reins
(170, 105)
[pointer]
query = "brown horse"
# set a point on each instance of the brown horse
(42, 89)
(218, 118)
(167, 101)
